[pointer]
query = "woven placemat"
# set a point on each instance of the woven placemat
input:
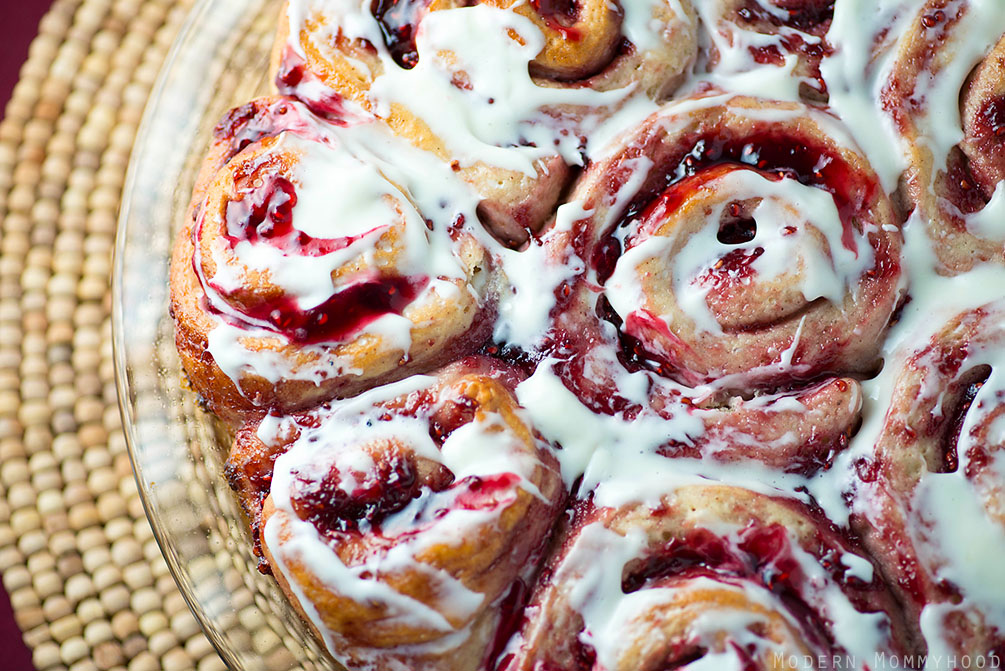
(87, 581)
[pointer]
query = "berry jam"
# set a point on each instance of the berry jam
(290, 79)
(734, 267)
(344, 314)
(559, 15)
(510, 617)
(328, 507)
(761, 554)
(810, 17)
(485, 492)
(399, 21)
(605, 258)
(990, 121)
(244, 125)
(263, 214)
(699, 549)
(962, 188)
(949, 459)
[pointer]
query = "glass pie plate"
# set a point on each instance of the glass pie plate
(219, 60)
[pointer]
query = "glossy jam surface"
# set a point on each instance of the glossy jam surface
(955, 417)
(399, 21)
(559, 15)
(991, 118)
(331, 509)
(342, 315)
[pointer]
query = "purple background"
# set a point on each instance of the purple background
(17, 28)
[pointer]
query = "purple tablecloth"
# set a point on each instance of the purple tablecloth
(18, 27)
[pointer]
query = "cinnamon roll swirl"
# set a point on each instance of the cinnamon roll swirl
(946, 96)
(931, 499)
(736, 241)
(309, 269)
(431, 70)
(710, 576)
(400, 520)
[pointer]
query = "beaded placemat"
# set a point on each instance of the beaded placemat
(87, 581)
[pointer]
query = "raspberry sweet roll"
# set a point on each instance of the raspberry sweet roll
(734, 241)
(321, 260)
(930, 501)
(946, 96)
(705, 577)
(404, 522)
(506, 92)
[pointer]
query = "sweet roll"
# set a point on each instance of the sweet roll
(736, 241)
(403, 521)
(778, 45)
(946, 97)
(706, 577)
(930, 499)
(313, 268)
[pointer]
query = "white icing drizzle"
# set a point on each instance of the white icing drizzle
(525, 310)
(857, 71)
(500, 116)
(501, 119)
(989, 221)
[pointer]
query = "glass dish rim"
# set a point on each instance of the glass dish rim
(183, 42)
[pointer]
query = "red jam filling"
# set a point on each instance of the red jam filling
(962, 188)
(485, 492)
(399, 21)
(990, 121)
(244, 125)
(265, 215)
(949, 459)
(510, 617)
(293, 72)
(762, 554)
(559, 15)
(329, 508)
(732, 268)
(344, 314)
